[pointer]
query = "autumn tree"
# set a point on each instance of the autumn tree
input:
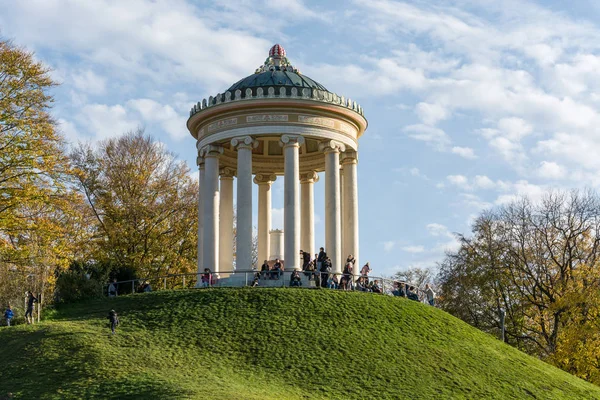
(538, 262)
(35, 199)
(144, 203)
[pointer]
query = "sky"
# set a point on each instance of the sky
(470, 103)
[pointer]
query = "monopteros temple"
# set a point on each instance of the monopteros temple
(276, 124)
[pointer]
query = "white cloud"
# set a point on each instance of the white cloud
(298, 9)
(447, 243)
(104, 121)
(465, 152)
(577, 148)
(550, 170)
(511, 151)
(384, 76)
(428, 134)
(89, 82)
(413, 249)
(474, 202)
(459, 180)
(431, 114)
(522, 188)
(448, 246)
(514, 128)
(436, 229)
(165, 115)
(483, 182)
(417, 173)
(389, 245)
(68, 130)
(159, 40)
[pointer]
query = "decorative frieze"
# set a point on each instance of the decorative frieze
(347, 128)
(222, 123)
(267, 118)
(320, 121)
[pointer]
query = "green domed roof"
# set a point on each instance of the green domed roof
(276, 71)
(278, 76)
(276, 79)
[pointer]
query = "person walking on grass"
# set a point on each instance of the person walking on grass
(430, 295)
(112, 288)
(114, 320)
(29, 313)
(8, 315)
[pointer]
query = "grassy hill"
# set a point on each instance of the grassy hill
(269, 344)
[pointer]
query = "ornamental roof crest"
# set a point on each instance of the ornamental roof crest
(277, 61)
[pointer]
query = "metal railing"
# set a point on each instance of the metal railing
(255, 278)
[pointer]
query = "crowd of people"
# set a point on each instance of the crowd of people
(402, 289)
(319, 269)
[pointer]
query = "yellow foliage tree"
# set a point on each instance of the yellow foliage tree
(578, 348)
(36, 204)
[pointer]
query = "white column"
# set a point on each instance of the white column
(342, 223)
(264, 182)
(307, 226)
(210, 248)
(226, 221)
(243, 244)
(333, 238)
(291, 201)
(200, 162)
(350, 209)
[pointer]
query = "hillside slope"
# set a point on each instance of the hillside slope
(269, 344)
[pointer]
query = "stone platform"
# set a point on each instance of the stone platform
(240, 279)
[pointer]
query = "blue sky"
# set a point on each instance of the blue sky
(470, 103)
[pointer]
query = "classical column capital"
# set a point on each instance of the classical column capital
(349, 157)
(309, 177)
(291, 140)
(200, 161)
(227, 173)
(331, 146)
(244, 142)
(264, 179)
(211, 151)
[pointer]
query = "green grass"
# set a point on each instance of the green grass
(269, 344)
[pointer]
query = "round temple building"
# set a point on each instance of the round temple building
(276, 124)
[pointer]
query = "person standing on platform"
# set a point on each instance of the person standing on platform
(321, 258)
(325, 270)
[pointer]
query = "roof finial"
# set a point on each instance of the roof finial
(277, 51)
(277, 61)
